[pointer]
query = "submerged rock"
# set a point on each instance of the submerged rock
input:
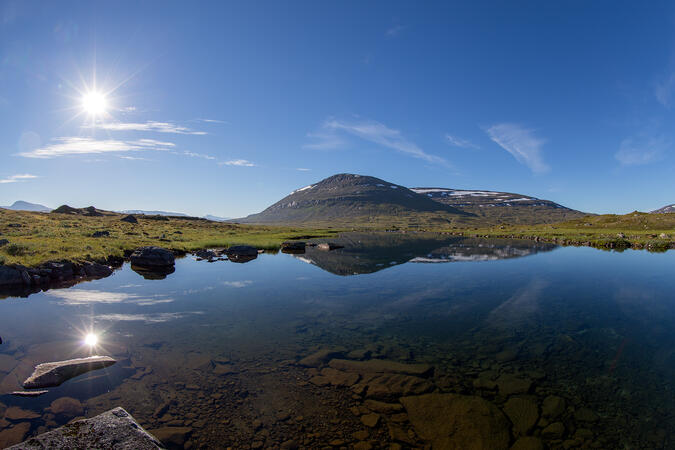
(452, 421)
(523, 413)
(381, 366)
(114, 429)
(67, 406)
(54, 373)
(172, 437)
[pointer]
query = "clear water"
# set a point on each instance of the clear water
(213, 347)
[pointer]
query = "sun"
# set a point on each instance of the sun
(94, 103)
(91, 340)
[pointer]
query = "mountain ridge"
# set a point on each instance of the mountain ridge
(665, 210)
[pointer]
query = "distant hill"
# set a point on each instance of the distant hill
(88, 211)
(216, 218)
(504, 207)
(349, 198)
(20, 205)
(665, 209)
(151, 213)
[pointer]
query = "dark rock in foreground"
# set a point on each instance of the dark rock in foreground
(114, 429)
(295, 247)
(103, 233)
(152, 257)
(54, 373)
(129, 219)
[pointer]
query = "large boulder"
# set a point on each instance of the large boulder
(129, 219)
(458, 422)
(294, 247)
(114, 429)
(152, 257)
(96, 270)
(10, 277)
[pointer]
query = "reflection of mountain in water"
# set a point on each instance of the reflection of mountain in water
(372, 252)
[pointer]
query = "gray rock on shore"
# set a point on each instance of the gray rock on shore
(114, 429)
(54, 373)
(152, 257)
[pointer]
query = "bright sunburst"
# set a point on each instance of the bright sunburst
(91, 340)
(94, 103)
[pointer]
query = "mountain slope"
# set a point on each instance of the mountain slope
(665, 209)
(501, 207)
(347, 197)
(20, 205)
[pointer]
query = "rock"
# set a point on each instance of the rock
(67, 406)
(361, 435)
(114, 429)
(96, 270)
(206, 254)
(320, 357)
(172, 437)
(28, 393)
(370, 420)
(523, 413)
(528, 443)
(295, 247)
(289, 445)
(391, 386)
(664, 236)
(452, 421)
(152, 257)
(381, 366)
(553, 406)
(327, 246)
(10, 277)
(585, 415)
(15, 434)
(16, 414)
(382, 407)
(54, 373)
(98, 234)
(3, 242)
(129, 219)
(241, 253)
(359, 354)
(363, 446)
(555, 430)
(511, 384)
(339, 378)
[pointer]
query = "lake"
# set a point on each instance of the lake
(571, 346)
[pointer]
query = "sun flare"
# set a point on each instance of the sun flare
(91, 340)
(94, 103)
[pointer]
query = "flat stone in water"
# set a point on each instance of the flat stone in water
(114, 429)
(28, 393)
(54, 373)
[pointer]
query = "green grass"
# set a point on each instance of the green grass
(44, 237)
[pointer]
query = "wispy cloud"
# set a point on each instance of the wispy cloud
(134, 158)
(65, 146)
(380, 134)
(238, 284)
(394, 31)
(663, 91)
(18, 178)
(521, 143)
(640, 151)
(324, 141)
(302, 169)
(459, 142)
(77, 297)
(199, 155)
(212, 121)
(237, 162)
(157, 127)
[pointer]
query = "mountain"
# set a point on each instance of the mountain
(151, 213)
(20, 205)
(665, 209)
(503, 207)
(349, 198)
(216, 218)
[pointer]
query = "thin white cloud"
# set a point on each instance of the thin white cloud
(238, 284)
(394, 31)
(199, 155)
(636, 152)
(147, 318)
(134, 158)
(382, 135)
(237, 162)
(77, 297)
(663, 91)
(151, 125)
(521, 143)
(18, 178)
(129, 109)
(213, 121)
(65, 146)
(459, 142)
(302, 169)
(324, 141)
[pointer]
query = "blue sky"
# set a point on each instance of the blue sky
(223, 108)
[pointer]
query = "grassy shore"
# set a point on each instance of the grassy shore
(654, 232)
(38, 237)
